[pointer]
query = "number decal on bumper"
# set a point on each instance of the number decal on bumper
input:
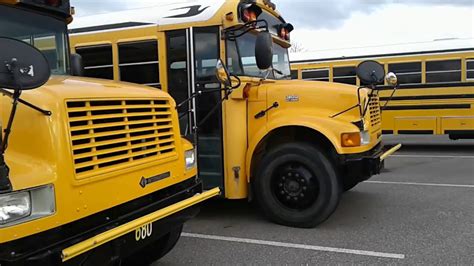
(143, 231)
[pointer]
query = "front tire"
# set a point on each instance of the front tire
(296, 185)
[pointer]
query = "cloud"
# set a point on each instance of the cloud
(329, 14)
(304, 14)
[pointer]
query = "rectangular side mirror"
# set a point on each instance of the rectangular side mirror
(77, 68)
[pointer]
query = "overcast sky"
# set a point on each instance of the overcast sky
(330, 24)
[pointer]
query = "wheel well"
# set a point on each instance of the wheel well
(291, 134)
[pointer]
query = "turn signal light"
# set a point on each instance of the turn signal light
(284, 34)
(249, 12)
(249, 15)
(284, 31)
(350, 139)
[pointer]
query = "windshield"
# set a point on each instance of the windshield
(241, 59)
(48, 34)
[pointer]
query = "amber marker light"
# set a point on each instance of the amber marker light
(350, 139)
(229, 16)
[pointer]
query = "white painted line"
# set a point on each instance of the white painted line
(419, 184)
(432, 156)
(297, 246)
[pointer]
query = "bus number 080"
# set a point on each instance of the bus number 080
(143, 231)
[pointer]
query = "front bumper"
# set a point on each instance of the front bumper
(362, 166)
(104, 237)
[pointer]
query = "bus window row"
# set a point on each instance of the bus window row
(441, 71)
(138, 62)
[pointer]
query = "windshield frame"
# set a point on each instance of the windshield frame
(55, 29)
(234, 53)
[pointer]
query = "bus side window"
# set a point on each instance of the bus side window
(321, 74)
(407, 73)
(443, 71)
(97, 60)
(138, 62)
(470, 69)
(345, 75)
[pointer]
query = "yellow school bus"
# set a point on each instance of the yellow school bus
(436, 87)
(96, 171)
(282, 142)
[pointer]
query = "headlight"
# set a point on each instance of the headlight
(14, 207)
(20, 207)
(364, 137)
(355, 139)
(190, 158)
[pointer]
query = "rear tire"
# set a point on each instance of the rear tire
(155, 250)
(296, 185)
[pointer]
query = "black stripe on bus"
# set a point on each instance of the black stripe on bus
(427, 107)
(387, 132)
(429, 85)
(429, 97)
(382, 55)
(109, 27)
(415, 132)
(460, 132)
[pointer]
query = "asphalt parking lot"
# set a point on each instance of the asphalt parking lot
(420, 210)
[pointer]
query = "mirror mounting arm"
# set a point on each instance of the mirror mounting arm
(229, 33)
(32, 106)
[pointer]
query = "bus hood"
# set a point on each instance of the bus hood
(327, 99)
(67, 87)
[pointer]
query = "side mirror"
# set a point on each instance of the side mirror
(77, 67)
(22, 66)
(222, 74)
(370, 72)
(264, 50)
(391, 79)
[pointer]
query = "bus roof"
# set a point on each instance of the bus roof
(163, 13)
(436, 46)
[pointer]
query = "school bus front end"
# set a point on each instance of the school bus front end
(292, 146)
(98, 170)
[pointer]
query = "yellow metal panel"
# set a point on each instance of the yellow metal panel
(415, 123)
(457, 123)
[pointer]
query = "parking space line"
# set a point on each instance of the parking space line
(432, 156)
(296, 246)
(420, 184)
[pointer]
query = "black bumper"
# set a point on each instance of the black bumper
(361, 166)
(45, 248)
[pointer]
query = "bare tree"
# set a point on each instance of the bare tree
(296, 47)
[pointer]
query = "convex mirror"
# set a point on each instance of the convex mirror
(391, 79)
(222, 74)
(371, 72)
(22, 66)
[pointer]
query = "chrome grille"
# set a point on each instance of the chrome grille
(114, 134)
(374, 111)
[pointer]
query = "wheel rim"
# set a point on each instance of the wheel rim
(295, 186)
